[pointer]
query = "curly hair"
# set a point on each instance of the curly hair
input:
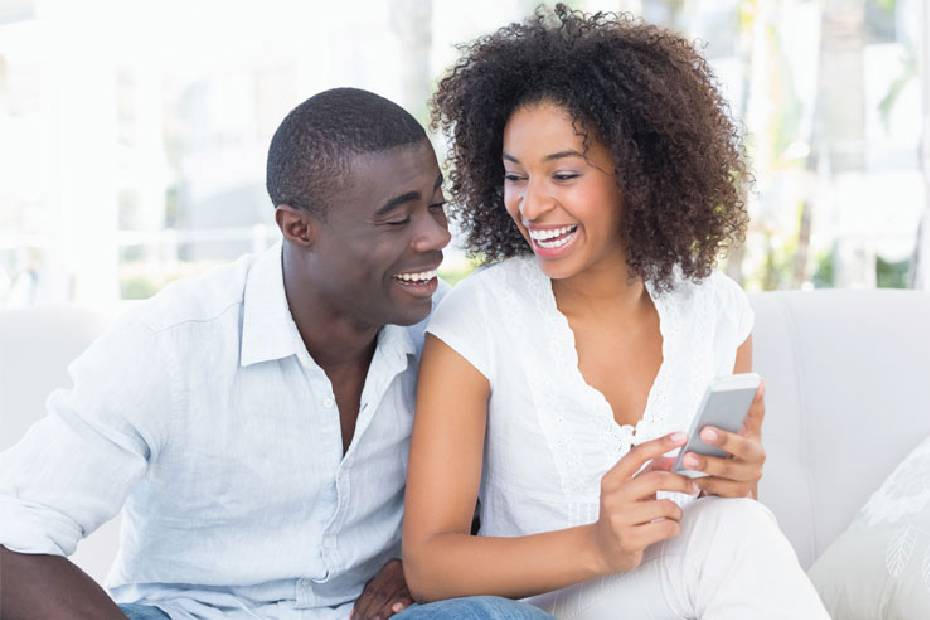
(643, 91)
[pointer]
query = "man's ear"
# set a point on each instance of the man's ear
(298, 226)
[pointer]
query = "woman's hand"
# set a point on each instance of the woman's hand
(631, 517)
(737, 476)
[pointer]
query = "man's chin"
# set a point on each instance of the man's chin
(411, 316)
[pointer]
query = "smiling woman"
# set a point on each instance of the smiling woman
(593, 164)
(642, 107)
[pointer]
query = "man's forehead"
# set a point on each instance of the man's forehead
(398, 169)
(415, 158)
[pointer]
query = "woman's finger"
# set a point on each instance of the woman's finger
(647, 483)
(746, 448)
(638, 513)
(638, 456)
(731, 469)
(722, 487)
(654, 531)
(753, 422)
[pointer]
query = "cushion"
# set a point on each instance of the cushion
(879, 568)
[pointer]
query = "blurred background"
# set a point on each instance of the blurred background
(133, 135)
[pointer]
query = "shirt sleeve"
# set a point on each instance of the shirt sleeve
(462, 322)
(735, 319)
(73, 469)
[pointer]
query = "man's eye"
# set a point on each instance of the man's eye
(406, 220)
(438, 205)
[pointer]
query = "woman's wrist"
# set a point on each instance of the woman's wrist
(595, 563)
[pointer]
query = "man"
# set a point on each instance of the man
(253, 422)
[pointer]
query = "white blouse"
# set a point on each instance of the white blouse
(551, 436)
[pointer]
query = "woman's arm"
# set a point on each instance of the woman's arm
(441, 558)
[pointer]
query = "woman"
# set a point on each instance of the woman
(594, 164)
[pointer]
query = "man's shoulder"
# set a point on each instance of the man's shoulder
(198, 299)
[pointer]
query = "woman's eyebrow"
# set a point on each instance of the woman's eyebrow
(550, 157)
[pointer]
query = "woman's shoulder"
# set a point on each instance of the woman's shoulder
(477, 301)
(490, 280)
(717, 288)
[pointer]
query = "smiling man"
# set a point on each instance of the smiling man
(254, 422)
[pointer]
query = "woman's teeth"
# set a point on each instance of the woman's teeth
(553, 237)
(418, 277)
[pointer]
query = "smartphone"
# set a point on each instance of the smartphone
(725, 405)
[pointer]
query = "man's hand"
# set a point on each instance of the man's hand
(737, 476)
(385, 595)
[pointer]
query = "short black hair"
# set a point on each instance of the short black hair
(311, 151)
(645, 92)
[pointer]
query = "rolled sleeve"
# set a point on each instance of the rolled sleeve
(73, 469)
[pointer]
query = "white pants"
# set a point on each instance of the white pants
(729, 562)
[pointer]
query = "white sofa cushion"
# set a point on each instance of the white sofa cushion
(880, 566)
(847, 374)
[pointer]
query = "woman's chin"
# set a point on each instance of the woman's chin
(559, 269)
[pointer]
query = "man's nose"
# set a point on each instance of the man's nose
(432, 234)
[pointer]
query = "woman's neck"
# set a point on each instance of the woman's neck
(603, 290)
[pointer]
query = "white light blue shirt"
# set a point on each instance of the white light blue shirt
(205, 419)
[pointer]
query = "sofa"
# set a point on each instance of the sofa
(848, 396)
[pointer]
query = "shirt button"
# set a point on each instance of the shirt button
(329, 402)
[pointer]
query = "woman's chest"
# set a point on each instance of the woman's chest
(621, 363)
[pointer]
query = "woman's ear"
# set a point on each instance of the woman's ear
(298, 226)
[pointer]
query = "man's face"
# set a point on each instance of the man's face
(380, 245)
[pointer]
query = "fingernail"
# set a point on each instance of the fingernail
(678, 437)
(691, 461)
(709, 434)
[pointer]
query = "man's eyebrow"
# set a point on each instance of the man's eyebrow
(550, 157)
(404, 198)
(397, 201)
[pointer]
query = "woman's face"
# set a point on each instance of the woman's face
(564, 199)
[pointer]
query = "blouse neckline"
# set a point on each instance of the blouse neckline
(564, 340)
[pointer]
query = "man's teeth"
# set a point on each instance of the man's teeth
(422, 276)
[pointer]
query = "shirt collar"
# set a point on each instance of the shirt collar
(268, 329)
(396, 340)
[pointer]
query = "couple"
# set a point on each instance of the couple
(253, 424)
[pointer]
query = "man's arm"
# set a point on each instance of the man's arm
(72, 472)
(50, 587)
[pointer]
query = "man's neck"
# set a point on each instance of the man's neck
(332, 337)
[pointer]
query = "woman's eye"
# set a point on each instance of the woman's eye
(509, 176)
(438, 205)
(406, 220)
(565, 176)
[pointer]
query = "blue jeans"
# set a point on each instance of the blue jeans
(467, 608)
(136, 611)
(474, 608)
